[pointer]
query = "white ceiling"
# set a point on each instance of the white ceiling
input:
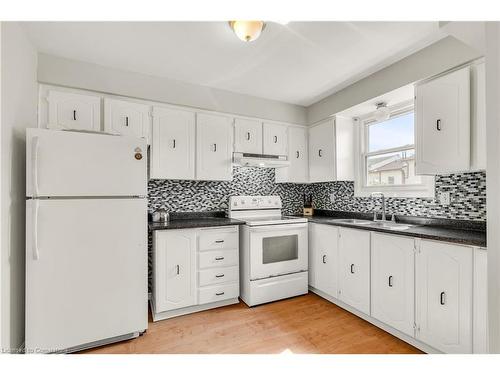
(299, 63)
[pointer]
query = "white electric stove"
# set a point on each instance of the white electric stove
(273, 250)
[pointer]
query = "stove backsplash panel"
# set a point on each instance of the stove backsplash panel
(467, 193)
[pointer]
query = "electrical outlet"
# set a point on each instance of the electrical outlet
(332, 197)
(444, 198)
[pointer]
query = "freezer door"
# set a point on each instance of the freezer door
(86, 271)
(76, 164)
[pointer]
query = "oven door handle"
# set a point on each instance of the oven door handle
(277, 227)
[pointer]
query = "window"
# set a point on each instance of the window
(387, 157)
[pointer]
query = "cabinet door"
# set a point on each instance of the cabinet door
(247, 136)
(443, 124)
(392, 281)
(275, 139)
(213, 147)
(298, 171)
(74, 111)
(126, 118)
(322, 152)
(323, 242)
(354, 268)
(480, 342)
(173, 148)
(174, 269)
(444, 296)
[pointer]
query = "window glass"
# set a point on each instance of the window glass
(394, 168)
(392, 133)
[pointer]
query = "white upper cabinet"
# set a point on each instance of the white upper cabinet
(174, 269)
(478, 117)
(173, 146)
(298, 171)
(213, 147)
(72, 111)
(274, 139)
(331, 151)
(442, 111)
(247, 136)
(444, 296)
(354, 268)
(323, 258)
(392, 281)
(480, 342)
(126, 118)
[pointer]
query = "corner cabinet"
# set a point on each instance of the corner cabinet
(194, 270)
(443, 124)
(70, 111)
(173, 146)
(213, 147)
(127, 118)
(298, 171)
(331, 150)
(444, 296)
(392, 281)
(174, 269)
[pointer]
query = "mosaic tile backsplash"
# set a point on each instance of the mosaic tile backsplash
(467, 193)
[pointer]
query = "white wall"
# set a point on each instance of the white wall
(434, 59)
(493, 180)
(77, 74)
(19, 91)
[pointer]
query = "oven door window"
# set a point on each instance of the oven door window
(280, 249)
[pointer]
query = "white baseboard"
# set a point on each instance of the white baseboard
(400, 335)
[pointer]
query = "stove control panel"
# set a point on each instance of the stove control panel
(254, 202)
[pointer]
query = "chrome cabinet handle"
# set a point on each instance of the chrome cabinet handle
(298, 154)
(390, 281)
(219, 241)
(215, 147)
(320, 153)
(219, 294)
(352, 268)
(275, 139)
(324, 259)
(74, 115)
(178, 269)
(220, 275)
(438, 124)
(442, 298)
(248, 136)
(126, 121)
(219, 258)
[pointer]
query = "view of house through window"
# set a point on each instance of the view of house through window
(390, 156)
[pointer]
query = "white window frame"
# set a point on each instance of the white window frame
(361, 189)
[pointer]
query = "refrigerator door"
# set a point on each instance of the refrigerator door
(76, 164)
(86, 271)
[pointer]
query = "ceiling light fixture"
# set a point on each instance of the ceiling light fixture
(382, 113)
(247, 31)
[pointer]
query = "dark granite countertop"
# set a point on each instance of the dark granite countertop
(463, 232)
(184, 220)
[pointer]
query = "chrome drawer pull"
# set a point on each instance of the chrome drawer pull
(219, 294)
(219, 241)
(221, 275)
(219, 258)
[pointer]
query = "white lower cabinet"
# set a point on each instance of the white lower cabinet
(354, 268)
(174, 269)
(444, 296)
(323, 257)
(188, 273)
(480, 337)
(392, 281)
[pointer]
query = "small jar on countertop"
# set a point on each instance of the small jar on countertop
(161, 216)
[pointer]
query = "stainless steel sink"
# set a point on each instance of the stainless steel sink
(391, 225)
(352, 221)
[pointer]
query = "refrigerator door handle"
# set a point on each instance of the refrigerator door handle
(36, 254)
(34, 163)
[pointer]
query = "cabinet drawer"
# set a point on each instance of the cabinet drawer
(218, 258)
(218, 293)
(218, 275)
(213, 239)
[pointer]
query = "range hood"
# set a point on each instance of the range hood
(261, 161)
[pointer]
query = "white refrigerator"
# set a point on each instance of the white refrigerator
(86, 239)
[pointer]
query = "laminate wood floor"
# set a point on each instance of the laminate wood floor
(305, 324)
